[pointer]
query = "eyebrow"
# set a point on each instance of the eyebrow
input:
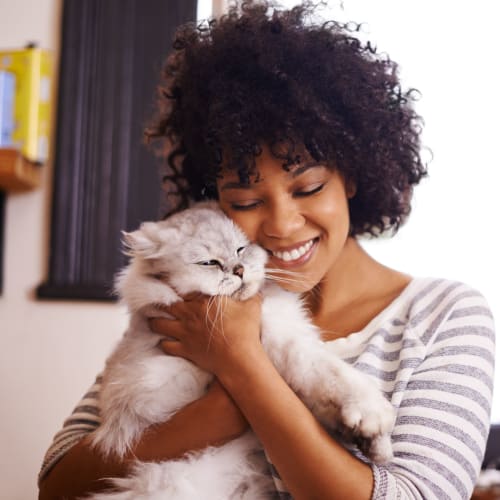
(294, 173)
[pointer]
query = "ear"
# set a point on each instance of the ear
(141, 242)
(136, 243)
(151, 241)
(350, 188)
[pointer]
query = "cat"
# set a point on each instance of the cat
(202, 250)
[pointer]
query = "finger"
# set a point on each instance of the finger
(166, 327)
(163, 308)
(181, 308)
(175, 309)
(172, 309)
(193, 296)
(172, 348)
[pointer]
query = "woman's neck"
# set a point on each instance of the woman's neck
(353, 292)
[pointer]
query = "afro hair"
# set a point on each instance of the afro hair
(260, 75)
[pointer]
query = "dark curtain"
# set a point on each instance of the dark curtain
(105, 178)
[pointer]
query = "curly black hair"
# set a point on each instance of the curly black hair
(264, 76)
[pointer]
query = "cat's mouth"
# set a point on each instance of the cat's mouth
(244, 292)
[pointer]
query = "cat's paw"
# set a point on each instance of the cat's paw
(369, 417)
(380, 449)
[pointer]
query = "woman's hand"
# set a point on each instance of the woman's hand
(212, 332)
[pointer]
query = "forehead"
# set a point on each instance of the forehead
(214, 231)
(269, 170)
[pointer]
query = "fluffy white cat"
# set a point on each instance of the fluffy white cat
(202, 250)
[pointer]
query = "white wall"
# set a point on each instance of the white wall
(49, 351)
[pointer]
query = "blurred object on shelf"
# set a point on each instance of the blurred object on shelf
(25, 116)
(7, 93)
(17, 173)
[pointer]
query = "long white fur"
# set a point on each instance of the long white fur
(142, 386)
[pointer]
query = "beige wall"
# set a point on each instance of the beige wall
(49, 351)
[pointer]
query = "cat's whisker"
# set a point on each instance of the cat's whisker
(223, 304)
(279, 279)
(211, 323)
(220, 301)
(218, 313)
(281, 271)
(290, 276)
(208, 321)
(283, 279)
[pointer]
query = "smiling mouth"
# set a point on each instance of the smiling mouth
(296, 254)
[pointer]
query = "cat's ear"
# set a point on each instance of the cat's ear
(142, 242)
(136, 243)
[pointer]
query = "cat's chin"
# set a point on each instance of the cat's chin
(244, 292)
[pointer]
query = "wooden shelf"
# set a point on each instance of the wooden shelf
(17, 173)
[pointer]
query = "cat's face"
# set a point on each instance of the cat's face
(200, 250)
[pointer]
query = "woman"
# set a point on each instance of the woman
(307, 140)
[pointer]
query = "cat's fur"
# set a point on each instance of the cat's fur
(143, 386)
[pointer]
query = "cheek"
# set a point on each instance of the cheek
(336, 212)
(244, 220)
(195, 280)
(247, 222)
(333, 208)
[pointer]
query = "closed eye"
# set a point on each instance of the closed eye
(245, 206)
(309, 191)
(240, 250)
(316, 188)
(210, 263)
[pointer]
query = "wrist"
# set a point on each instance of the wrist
(222, 411)
(237, 371)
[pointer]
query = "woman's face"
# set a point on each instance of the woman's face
(300, 217)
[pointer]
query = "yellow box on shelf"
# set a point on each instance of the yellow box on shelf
(31, 69)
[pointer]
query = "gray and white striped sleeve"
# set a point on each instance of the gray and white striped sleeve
(82, 421)
(444, 415)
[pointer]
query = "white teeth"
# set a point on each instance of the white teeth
(295, 254)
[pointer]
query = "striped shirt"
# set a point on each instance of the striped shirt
(431, 351)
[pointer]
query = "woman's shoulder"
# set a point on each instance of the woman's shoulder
(433, 304)
(426, 307)
(428, 296)
(431, 317)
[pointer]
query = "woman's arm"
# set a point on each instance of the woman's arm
(214, 419)
(444, 408)
(311, 463)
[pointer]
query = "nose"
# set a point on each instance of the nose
(282, 220)
(238, 270)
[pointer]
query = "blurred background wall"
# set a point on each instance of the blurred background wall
(50, 351)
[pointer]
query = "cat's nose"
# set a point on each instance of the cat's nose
(238, 270)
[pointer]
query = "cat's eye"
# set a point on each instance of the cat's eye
(209, 263)
(240, 250)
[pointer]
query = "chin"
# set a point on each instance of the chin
(245, 291)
